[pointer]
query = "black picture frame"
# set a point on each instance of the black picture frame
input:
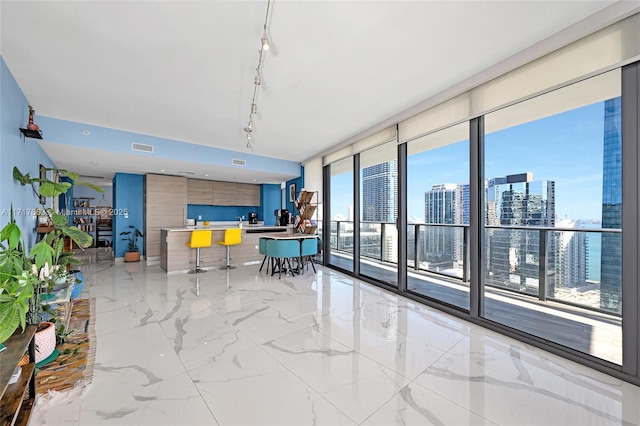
(292, 192)
(42, 175)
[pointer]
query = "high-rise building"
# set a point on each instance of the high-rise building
(610, 263)
(439, 206)
(571, 256)
(379, 206)
(513, 254)
(445, 203)
(380, 192)
(439, 203)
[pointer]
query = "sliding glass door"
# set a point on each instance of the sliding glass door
(379, 213)
(552, 217)
(340, 251)
(438, 215)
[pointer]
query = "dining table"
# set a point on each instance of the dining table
(300, 238)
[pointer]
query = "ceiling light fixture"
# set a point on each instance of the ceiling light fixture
(257, 81)
(265, 40)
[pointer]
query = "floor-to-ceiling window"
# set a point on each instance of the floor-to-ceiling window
(534, 245)
(552, 216)
(340, 251)
(379, 213)
(438, 215)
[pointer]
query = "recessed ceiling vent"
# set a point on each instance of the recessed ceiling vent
(184, 172)
(141, 147)
(238, 162)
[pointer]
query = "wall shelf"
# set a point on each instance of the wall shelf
(84, 216)
(17, 399)
(35, 134)
(307, 210)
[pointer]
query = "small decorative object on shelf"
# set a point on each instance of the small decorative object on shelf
(32, 130)
(32, 125)
(305, 223)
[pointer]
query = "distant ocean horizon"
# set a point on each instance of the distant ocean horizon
(594, 250)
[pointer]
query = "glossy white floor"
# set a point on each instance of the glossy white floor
(241, 347)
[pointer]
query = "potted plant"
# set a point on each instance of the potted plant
(25, 274)
(16, 280)
(131, 237)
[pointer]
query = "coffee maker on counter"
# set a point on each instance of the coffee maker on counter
(282, 217)
(253, 218)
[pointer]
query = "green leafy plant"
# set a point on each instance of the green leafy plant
(16, 279)
(62, 334)
(131, 237)
(25, 274)
(50, 189)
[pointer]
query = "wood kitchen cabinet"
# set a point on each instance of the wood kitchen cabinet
(218, 193)
(236, 194)
(199, 192)
(224, 193)
(247, 194)
(165, 207)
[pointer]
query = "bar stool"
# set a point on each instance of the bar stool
(232, 237)
(308, 248)
(199, 239)
(262, 249)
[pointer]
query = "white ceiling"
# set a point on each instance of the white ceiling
(184, 70)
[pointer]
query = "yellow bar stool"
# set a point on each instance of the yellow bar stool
(199, 239)
(232, 237)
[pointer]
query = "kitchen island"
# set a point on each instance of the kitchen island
(176, 257)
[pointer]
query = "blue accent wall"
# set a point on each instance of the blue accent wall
(15, 150)
(299, 182)
(269, 203)
(128, 209)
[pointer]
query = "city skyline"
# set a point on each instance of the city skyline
(565, 148)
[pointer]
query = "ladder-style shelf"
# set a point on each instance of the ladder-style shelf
(307, 209)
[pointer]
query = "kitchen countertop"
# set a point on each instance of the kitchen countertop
(219, 227)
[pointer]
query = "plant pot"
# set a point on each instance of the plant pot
(78, 283)
(60, 280)
(62, 286)
(132, 256)
(45, 340)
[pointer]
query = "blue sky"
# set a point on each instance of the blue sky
(565, 148)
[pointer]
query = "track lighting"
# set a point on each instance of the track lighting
(257, 80)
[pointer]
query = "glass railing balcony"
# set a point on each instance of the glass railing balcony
(578, 266)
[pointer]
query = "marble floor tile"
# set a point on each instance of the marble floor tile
(511, 389)
(147, 359)
(203, 339)
(415, 405)
(242, 347)
(352, 382)
(173, 401)
(251, 388)
(405, 355)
